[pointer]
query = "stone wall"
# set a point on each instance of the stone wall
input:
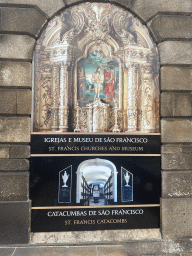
(170, 24)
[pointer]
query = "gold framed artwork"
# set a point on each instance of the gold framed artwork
(96, 69)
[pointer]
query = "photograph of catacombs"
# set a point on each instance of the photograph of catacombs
(96, 182)
(96, 69)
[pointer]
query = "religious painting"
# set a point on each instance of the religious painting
(98, 76)
(96, 69)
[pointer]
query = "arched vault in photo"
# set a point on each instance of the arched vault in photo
(96, 175)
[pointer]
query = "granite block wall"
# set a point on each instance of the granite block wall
(170, 24)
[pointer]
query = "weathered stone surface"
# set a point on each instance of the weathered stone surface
(49, 7)
(172, 247)
(15, 102)
(15, 74)
(14, 186)
(124, 3)
(8, 99)
(4, 151)
(14, 151)
(15, 129)
(15, 222)
(108, 250)
(176, 130)
(177, 184)
(16, 46)
(39, 251)
(176, 157)
(97, 236)
(70, 2)
(22, 20)
(180, 149)
(24, 98)
(176, 104)
(147, 8)
(175, 52)
(159, 247)
(166, 27)
(7, 251)
(176, 218)
(176, 161)
(19, 151)
(176, 78)
(81, 251)
(14, 165)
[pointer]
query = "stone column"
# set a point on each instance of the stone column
(116, 129)
(147, 103)
(90, 109)
(78, 127)
(63, 98)
(55, 87)
(105, 126)
(131, 100)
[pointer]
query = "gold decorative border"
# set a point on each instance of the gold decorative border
(94, 133)
(51, 155)
(91, 207)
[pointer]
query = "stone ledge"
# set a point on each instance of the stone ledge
(176, 78)
(176, 130)
(175, 52)
(22, 20)
(177, 184)
(133, 248)
(15, 222)
(15, 129)
(147, 9)
(176, 218)
(16, 47)
(49, 7)
(97, 236)
(15, 74)
(14, 186)
(14, 165)
(176, 104)
(165, 27)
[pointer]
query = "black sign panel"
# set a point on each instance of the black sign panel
(75, 143)
(70, 219)
(103, 192)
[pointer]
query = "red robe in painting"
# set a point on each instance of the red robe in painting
(108, 76)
